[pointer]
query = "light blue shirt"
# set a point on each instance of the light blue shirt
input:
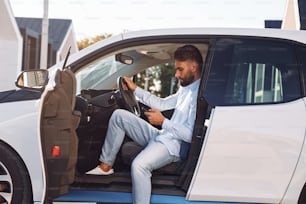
(180, 127)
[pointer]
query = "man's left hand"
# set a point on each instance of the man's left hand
(155, 117)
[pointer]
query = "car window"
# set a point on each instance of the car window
(252, 72)
(104, 71)
(302, 55)
(95, 73)
(159, 80)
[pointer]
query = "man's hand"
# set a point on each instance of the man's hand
(155, 117)
(131, 85)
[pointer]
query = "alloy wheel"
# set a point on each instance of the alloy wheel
(6, 185)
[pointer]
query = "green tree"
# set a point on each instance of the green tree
(148, 79)
(89, 41)
(160, 79)
(168, 80)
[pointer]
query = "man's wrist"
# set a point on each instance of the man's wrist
(165, 124)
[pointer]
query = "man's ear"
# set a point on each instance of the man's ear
(194, 67)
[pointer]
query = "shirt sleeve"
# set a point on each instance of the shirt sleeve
(153, 101)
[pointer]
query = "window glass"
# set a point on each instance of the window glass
(302, 55)
(96, 72)
(103, 72)
(252, 72)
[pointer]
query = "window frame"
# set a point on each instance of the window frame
(282, 42)
(302, 66)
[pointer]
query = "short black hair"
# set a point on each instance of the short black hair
(189, 52)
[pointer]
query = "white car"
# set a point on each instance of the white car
(248, 141)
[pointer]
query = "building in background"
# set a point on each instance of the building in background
(294, 17)
(61, 36)
(302, 14)
(273, 23)
(20, 43)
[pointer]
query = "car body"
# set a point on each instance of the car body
(248, 139)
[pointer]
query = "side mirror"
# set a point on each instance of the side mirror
(124, 59)
(33, 79)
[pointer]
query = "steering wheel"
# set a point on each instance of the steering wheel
(127, 97)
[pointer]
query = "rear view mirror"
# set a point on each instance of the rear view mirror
(33, 79)
(125, 59)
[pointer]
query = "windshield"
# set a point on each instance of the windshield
(92, 76)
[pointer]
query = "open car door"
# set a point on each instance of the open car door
(59, 142)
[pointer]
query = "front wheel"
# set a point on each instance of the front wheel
(15, 185)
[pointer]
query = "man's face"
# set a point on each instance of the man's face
(185, 71)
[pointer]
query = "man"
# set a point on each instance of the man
(161, 147)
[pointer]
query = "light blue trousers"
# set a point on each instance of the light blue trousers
(153, 156)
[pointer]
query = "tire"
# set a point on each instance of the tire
(15, 185)
(302, 198)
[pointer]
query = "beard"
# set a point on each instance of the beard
(186, 81)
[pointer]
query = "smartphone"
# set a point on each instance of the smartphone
(145, 109)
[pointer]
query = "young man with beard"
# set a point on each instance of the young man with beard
(161, 147)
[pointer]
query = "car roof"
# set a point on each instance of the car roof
(295, 35)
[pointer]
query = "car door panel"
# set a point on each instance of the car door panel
(257, 128)
(250, 153)
(59, 142)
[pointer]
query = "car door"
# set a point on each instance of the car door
(58, 122)
(256, 128)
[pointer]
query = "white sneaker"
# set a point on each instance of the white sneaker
(99, 171)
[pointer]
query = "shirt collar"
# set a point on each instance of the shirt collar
(194, 85)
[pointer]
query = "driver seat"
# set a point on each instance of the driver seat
(130, 149)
